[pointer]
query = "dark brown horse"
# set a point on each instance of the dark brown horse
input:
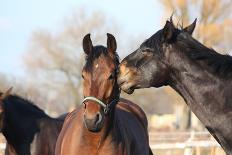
(104, 124)
(27, 129)
(200, 75)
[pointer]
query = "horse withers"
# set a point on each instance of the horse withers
(27, 129)
(104, 124)
(199, 74)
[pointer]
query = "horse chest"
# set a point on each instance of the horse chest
(79, 144)
(95, 149)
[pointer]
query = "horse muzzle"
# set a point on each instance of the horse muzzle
(94, 123)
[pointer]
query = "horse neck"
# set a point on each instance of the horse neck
(116, 92)
(9, 130)
(16, 140)
(205, 94)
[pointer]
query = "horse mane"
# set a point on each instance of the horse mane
(23, 106)
(218, 64)
(120, 134)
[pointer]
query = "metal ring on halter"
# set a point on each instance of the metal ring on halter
(106, 107)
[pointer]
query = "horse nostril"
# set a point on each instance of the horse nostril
(98, 118)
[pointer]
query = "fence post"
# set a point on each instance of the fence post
(188, 149)
(198, 150)
(213, 151)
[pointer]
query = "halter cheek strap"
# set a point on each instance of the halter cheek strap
(106, 107)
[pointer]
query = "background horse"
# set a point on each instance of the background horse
(104, 124)
(27, 129)
(200, 75)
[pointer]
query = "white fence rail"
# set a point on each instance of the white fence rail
(188, 141)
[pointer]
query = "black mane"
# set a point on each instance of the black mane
(23, 107)
(121, 135)
(217, 63)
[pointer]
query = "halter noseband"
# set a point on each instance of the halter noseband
(106, 107)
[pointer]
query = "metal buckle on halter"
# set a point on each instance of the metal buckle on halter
(110, 106)
(106, 109)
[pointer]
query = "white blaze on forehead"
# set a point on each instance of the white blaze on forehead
(96, 66)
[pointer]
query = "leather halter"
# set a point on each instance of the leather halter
(106, 107)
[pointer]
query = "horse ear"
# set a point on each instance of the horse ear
(168, 31)
(87, 44)
(189, 29)
(2, 97)
(171, 18)
(6, 94)
(111, 43)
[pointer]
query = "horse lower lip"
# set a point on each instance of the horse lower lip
(94, 130)
(129, 91)
(128, 88)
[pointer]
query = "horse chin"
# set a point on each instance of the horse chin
(95, 130)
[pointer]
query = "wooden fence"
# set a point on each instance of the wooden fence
(187, 143)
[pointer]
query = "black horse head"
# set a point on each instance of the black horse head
(148, 66)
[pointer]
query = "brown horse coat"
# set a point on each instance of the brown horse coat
(74, 139)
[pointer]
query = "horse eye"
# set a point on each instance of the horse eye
(144, 50)
(82, 76)
(147, 50)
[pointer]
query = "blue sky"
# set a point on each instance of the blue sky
(18, 19)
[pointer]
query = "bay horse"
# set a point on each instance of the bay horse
(104, 124)
(199, 74)
(27, 129)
